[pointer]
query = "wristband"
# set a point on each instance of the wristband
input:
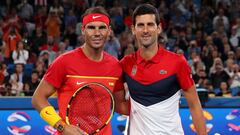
(50, 115)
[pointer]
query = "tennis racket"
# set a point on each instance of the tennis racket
(91, 107)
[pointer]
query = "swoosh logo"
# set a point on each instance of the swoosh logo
(79, 83)
(95, 17)
(48, 113)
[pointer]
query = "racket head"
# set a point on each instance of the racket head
(91, 107)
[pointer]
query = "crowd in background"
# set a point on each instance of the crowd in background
(35, 32)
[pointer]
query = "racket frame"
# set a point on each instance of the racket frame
(75, 94)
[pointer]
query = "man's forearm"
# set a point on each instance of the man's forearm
(123, 108)
(199, 121)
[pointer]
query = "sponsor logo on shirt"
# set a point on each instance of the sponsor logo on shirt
(134, 70)
(162, 72)
(79, 83)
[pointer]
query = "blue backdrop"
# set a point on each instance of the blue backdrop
(17, 117)
(224, 121)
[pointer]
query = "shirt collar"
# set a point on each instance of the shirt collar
(155, 59)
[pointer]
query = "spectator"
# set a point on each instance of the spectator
(226, 50)
(2, 75)
(229, 67)
(40, 17)
(223, 90)
(129, 50)
(71, 36)
(189, 32)
(206, 18)
(10, 38)
(4, 71)
(199, 37)
(178, 18)
(235, 81)
(40, 67)
(182, 42)
(221, 18)
(237, 25)
(200, 77)
(19, 74)
(238, 55)
(231, 55)
(17, 86)
(53, 23)
(112, 46)
(20, 55)
(50, 45)
(125, 39)
(57, 8)
(117, 19)
(193, 47)
(62, 48)
(217, 74)
(235, 38)
(128, 18)
(39, 39)
(172, 34)
(208, 47)
(234, 9)
(39, 3)
(70, 19)
(8, 90)
(12, 20)
(31, 85)
(225, 4)
(25, 10)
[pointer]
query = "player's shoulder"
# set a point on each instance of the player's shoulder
(110, 58)
(129, 58)
(67, 56)
(70, 53)
(173, 56)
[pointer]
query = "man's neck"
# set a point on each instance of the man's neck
(149, 52)
(92, 54)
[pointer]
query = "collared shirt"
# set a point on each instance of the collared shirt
(73, 69)
(154, 92)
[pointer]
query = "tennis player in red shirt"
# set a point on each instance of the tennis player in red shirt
(88, 63)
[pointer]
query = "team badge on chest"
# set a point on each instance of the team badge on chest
(134, 70)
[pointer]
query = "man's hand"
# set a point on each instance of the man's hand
(72, 130)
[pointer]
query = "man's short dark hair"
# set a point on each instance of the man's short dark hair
(145, 9)
(98, 9)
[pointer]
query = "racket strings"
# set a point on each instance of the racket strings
(92, 108)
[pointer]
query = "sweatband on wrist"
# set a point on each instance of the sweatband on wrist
(50, 115)
(95, 17)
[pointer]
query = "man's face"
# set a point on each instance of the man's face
(50, 40)
(146, 30)
(19, 68)
(96, 34)
(34, 76)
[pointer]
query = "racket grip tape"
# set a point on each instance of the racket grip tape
(50, 115)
